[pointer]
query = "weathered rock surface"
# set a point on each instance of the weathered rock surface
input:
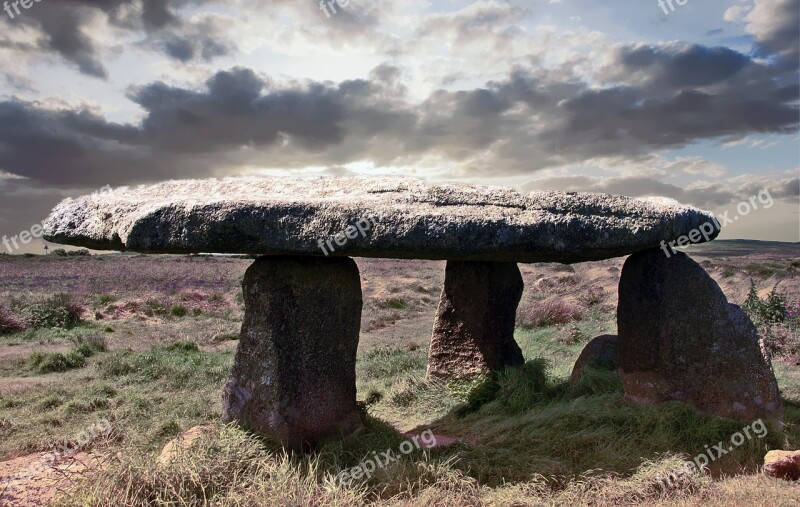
(600, 352)
(414, 221)
(474, 328)
(783, 465)
(680, 339)
(294, 377)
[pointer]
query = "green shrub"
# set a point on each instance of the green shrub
(52, 362)
(179, 365)
(770, 310)
(89, 345)
(178, 311)
(394, 304)
(182, 347)
(104, 299)
(155, 307)
(387, 362)
(58, 311)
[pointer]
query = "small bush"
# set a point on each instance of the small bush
(10, 323)
(60, 252)
(387, 362)
(593, 296)
(182, 347)
(89, 345)
(52, 362)
(547, 313)
(155, 307)
(771, 310)
(58, 311)
(104, 299)
(178, 311)
(394, 304)
(225, 337)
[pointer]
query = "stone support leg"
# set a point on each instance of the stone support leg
(294, 377)
(680, 339)
(474, 329)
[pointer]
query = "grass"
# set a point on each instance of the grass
(532, 314)
(52, 362)
(149, 397)
(528, 437)
(532, 439)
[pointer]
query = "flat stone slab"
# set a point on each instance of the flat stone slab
(398, 218)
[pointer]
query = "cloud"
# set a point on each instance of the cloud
(707, 195)
(776, 26)
(69, 28)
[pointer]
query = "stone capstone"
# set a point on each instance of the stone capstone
(375, 217)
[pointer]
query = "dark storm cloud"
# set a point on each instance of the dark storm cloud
(526, 122)
(690, 66)
(64, 25)
(664, 96)
(190, 132)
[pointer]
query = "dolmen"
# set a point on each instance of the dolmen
(293, 378)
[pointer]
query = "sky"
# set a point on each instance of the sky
(698, 102)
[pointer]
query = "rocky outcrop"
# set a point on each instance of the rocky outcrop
(680, 339)
(474, 329)
(600, 353)
(294, 376)
(376, 217)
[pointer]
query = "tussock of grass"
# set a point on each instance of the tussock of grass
(51, 362)
(10, 323)
(180, 365)
(389, 362)
(532, 314)
(57, 311)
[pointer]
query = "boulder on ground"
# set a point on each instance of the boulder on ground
(680, 339)
(783, 465)
(474, 329)
(294, 376)
(600, 352)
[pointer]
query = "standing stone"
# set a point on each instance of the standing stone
(474, 329)
(680, 339)
(294, 377)
(600, 353)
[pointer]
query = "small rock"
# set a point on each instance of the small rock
(782, 465)
(182, 442)
(601, 352)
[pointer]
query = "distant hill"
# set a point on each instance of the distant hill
(739, 247)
